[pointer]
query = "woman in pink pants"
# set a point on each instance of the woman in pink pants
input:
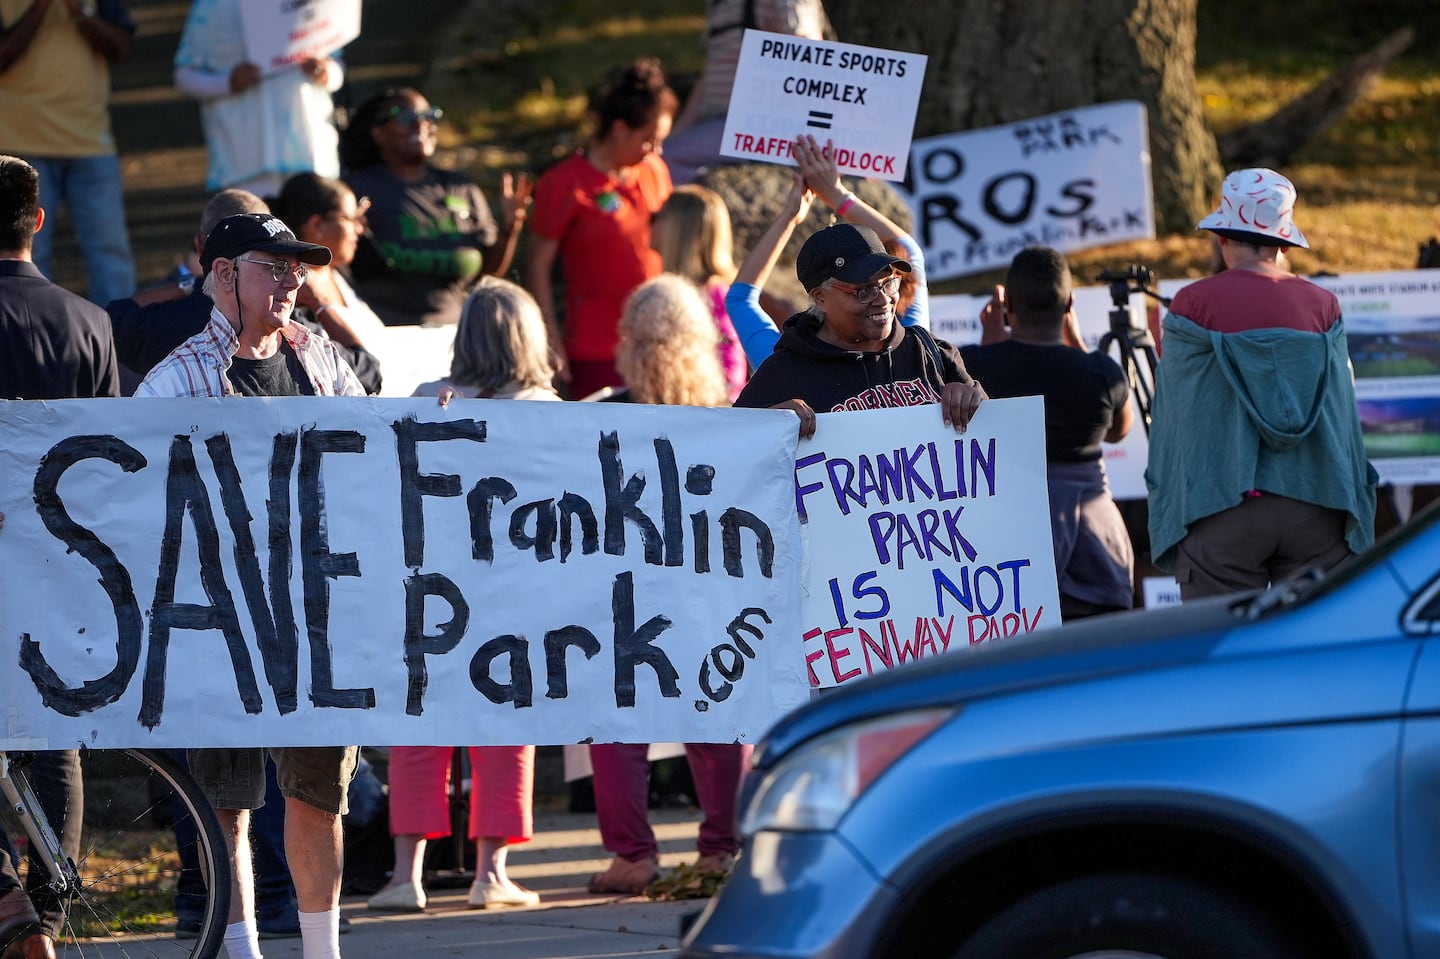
(501, 788)
(667, 355)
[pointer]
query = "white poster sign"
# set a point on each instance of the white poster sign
(281, 33)
(921, 540)
(956, 319)
(1071, 181)
(862, 98)
(310, 571)
(1392, 329)
(411, 355)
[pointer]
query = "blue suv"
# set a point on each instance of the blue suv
(1252, 776)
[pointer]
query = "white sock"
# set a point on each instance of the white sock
(242, 939)
(320, 934)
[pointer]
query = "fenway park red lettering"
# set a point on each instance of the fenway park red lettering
(845, 158)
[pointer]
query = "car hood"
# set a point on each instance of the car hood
(1099, 646)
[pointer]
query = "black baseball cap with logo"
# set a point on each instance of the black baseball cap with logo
(844, 252)
(244, 232)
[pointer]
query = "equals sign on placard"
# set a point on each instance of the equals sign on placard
(820, 120)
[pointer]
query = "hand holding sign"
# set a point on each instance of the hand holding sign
(866, 98)
(959, 403)
(818, 167)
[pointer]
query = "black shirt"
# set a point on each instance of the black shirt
(280, 374)
(1083, 391)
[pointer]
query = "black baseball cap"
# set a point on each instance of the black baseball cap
(244, 232)
(844, 252)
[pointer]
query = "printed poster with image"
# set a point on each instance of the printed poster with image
(1392, 331)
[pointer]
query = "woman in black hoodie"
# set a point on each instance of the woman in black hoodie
(848, 352)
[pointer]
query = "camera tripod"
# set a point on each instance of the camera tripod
(1133, 341)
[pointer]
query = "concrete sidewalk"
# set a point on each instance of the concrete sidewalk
(569, 922)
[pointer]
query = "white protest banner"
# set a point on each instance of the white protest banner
(956, 319)
(1392, 331)
(281, 33)
(920, 540)
(1071, 180)
(862, 98)
(307, 571)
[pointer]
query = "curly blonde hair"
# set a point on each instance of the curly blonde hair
(668, 341)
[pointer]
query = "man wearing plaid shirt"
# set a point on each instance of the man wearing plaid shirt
(253, 267)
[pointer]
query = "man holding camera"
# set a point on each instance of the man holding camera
(1031, 346)
(1257, 466)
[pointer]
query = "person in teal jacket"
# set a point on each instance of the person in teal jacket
(1257, 465)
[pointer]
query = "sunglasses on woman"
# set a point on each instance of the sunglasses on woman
(409, 117)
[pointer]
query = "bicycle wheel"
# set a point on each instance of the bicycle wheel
(130, 864)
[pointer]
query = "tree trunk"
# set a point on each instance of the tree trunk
(1001, 61)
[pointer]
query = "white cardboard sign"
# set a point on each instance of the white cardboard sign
(956, 319)
(863, 99)
(281, 33)
(312, 571)
(1071, 181)
(921, 540)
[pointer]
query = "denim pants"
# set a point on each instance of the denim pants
(90, 189)
(274, 892)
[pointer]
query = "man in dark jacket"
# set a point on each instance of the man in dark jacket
(53, 345)
(848, 352)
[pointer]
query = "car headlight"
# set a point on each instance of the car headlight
(813, 787)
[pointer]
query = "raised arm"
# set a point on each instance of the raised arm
(515, 193)
(753, 326)
(817, 165)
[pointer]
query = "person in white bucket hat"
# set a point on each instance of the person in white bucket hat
(1257, 469)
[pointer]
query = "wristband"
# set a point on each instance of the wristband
(845, 204)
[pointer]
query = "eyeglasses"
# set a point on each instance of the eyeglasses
(890, 286)
(356, 219)
(407, 117)
(279, 269)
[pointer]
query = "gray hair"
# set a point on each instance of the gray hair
(501, 339)
(229, 202)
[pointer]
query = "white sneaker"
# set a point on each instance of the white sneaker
(406, 897)
(484, 894)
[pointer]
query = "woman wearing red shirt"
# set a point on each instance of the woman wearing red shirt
(592, 213)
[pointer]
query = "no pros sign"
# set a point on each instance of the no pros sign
(861, 99)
